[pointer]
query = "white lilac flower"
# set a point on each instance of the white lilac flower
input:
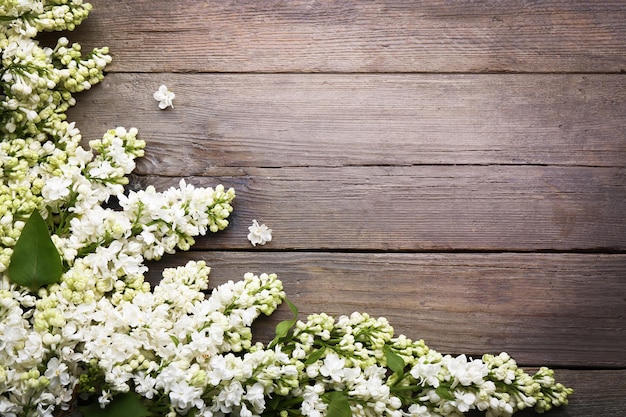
(57, 372)
(419, 410)
(333, 367)
(426, 373)
(255, 395)
(145, 384)
(164, 96)
(312, 404)
(56, 188)
(464, 401)
(105, 398)
(464, 371)
(259, 234)
(183, 396)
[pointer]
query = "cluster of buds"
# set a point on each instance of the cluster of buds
(36, 89)
(356, 364)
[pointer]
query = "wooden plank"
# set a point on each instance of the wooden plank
(445, 208)
(352, 36)
(337, 120)
(544, 309)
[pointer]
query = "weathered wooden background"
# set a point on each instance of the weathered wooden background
(456, 166)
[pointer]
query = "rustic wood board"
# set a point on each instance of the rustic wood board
(492, 208)
(351, 36)
(278, 120)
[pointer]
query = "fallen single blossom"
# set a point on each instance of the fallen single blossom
(164, 96)
(259, 234)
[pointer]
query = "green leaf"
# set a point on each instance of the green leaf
(338, 405)
(444, 393)
(315, 355)
(394, 361)
(282, 328)
(123, 405)
(35, 261)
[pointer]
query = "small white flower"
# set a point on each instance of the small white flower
(259, 234)
(56, 188)
(333, 367)
(164, 97)
(464, 401)
(57, 372)
(255, 395)
(426, 373)
(105, 398)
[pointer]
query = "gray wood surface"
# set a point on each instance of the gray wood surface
(479, 208)
(361, 36)
(280, 120)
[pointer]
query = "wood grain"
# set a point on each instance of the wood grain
(425, 207)
(337, 120)
(348, 36)
(531, 305)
